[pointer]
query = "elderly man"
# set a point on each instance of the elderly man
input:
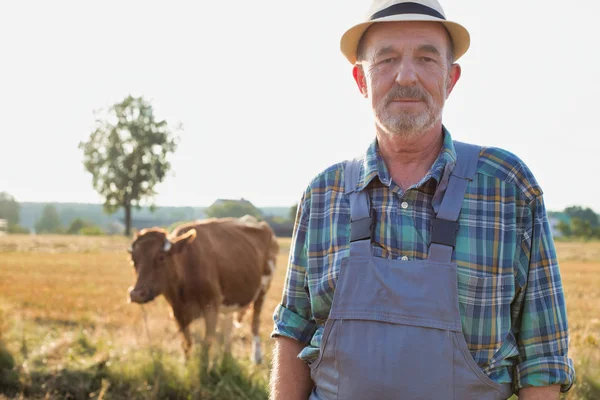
(424, 269)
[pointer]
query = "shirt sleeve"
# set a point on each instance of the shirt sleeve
(293, 316)
(542, 330)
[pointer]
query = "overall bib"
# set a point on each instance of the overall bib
(394, 330)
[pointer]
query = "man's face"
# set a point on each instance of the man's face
(407, 75)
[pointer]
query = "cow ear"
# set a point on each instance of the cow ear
(181, 241)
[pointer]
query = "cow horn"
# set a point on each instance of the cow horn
(167, 245)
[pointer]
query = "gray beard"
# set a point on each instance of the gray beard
(407, 124)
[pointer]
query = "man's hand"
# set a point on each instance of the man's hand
(540, 393)
(290, 376)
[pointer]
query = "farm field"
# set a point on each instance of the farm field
(68, 332)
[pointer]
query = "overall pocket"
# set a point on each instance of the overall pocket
(379, 360)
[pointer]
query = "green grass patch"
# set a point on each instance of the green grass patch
(80, 365)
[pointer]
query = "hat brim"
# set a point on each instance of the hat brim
(460, 36)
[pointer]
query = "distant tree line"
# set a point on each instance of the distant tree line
(50, 223)
(10, 211)
(283, 227)
(233, 208)
(582, 223)
(95, 214)
(82, 220)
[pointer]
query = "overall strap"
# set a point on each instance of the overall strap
(444, 226)
(361, 222)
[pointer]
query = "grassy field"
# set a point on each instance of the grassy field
(67, 331)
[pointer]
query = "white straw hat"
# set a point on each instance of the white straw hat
(399, 10)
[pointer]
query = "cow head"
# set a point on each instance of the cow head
(152, 254)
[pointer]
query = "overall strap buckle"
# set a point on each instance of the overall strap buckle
(444, 232)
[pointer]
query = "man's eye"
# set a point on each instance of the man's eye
(387, 60)
(426, 59)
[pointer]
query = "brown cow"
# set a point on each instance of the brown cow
(205, 268)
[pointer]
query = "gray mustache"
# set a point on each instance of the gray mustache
(399, 92)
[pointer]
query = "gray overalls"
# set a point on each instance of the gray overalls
(394, 330)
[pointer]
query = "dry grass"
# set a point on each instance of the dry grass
(70, 332)
(580, 271)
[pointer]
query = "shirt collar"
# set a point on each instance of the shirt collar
(374, 166)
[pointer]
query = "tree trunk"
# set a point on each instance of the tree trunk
(128, 219)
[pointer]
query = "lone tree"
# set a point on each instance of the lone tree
(127, 155)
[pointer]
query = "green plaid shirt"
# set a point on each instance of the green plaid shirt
(511, 298)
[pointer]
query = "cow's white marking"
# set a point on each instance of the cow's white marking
(265, 281)
(271, 266)
(232, 309)
(256, 350)
(237, 324)
(229, 308)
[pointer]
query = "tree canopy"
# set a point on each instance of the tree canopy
(232, 208)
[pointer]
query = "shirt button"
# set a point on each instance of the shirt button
(404, 205)
(404, 258)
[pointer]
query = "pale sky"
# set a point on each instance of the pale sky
(267, 100)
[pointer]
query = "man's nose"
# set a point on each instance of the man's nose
(406, 74)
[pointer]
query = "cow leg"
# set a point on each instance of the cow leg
(187, 341)
(256, 344)
(226, 327)
(238, 317)
(210, 322)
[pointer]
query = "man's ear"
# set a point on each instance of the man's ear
(361, 81)
(455, 73)
(179, 243)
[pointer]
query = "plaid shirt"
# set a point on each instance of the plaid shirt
(509, 287)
